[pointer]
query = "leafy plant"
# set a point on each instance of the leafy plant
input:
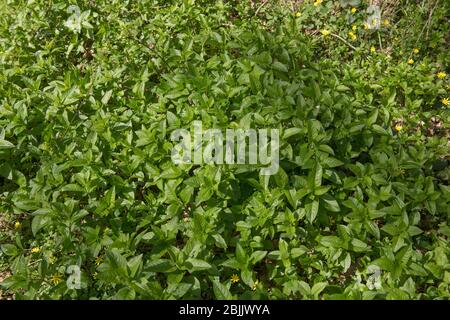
(90, 92)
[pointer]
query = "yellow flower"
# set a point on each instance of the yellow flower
(441, 75)
(235, 278)
(255, 285)
(17, 225)
(445, 101)
(386, 22)
(410, 61)
(98, 260)
(354, 27)
(324, 32)
(354, 10)
(366, 26)
(317, 2)
(298, 14)
(94, 275)
(415, 51)
(398, 127)
(352, 36)
(35, 250)
(372, 49)
(374, 22)
(56, 279)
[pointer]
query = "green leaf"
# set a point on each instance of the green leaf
(106, 97)
(284, 249)
(318, 175)
(414, 231)
(197, 265)
(372, 117)
(279, 66)
(134, 264)
(342, 88)
(380, 130)
(258, 256)
(318, 288)
(331, 241)
(311, 210)
(291, 132)
(5, 144)
(117, 262)
(125, 294)
(159, 265)
(330, 203)
(359, 246)
(305, 289)
(220, 241)
(247, 277)
(331, 162)
(39, 222)
(241, 256)
(221, 292)
(10, 250)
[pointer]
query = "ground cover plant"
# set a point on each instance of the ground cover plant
(92, 206)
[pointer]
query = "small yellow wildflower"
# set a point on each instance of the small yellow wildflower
(410, 61)
(317, 2)
(374, 22)
(17, 225)
(35, 250)
(445, 101)
(354, 10)
(352, 36)
(441, 75)
(372, 49)
(298, 14)
(94, 275)
(415, 51)
(56, 279)
(98, 260)
(386, 22)
(255, 285)
(398, 127)
(366, 26)
(324, 32)
(354, 27)
(235, 278)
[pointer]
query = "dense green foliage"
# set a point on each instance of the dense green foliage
(88, 101)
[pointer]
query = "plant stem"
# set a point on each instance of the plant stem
(343, 40)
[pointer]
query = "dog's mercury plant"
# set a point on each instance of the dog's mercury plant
(196, 149)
